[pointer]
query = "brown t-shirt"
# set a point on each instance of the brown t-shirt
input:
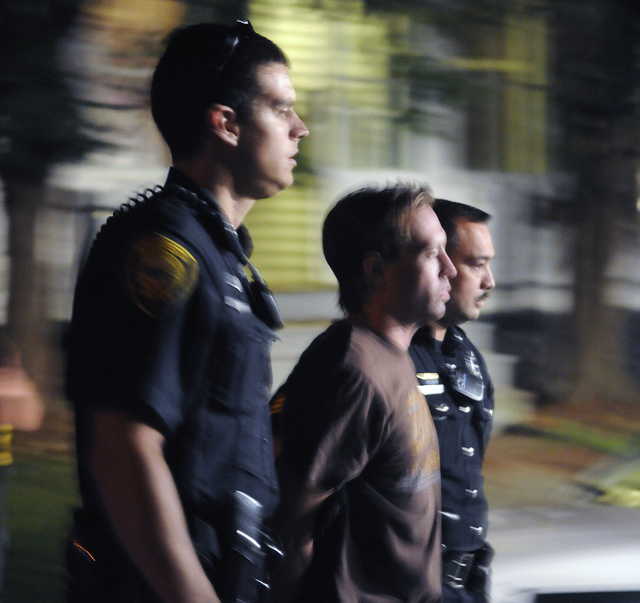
(355, 427)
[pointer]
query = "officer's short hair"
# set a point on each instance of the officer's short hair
(204, 64)
(368, 220)
(449, 212)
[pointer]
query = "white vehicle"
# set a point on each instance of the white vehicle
(585, 554)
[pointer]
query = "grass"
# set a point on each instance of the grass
(598, 439)
(575, 432)
(41, 496)
(632, 481)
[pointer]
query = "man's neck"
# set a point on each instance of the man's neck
(387, 326)
(217, 180)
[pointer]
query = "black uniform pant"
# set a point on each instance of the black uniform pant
(462, 595)
(466, 576)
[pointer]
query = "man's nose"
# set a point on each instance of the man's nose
(447, 267)
(299, 129)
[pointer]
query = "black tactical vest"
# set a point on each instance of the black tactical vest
(200, 373)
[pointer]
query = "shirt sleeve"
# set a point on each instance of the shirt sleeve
(138, 338)
(329, 438)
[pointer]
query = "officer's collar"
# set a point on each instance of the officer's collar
(235, 236)
(453, 338)
(177, 178)
(424, 336)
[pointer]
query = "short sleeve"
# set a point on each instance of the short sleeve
(329, 438)
(160, 274)
(138, 335)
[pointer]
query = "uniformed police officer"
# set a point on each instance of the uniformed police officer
(453, 377)
(168, 363)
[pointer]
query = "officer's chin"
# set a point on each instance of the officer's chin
(473, 314)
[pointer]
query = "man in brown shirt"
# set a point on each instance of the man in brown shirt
(359, 466)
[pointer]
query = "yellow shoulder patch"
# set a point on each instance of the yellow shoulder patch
(160, 273)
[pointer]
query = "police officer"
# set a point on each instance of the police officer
(168, 365)
(453, 377)
(21, 408)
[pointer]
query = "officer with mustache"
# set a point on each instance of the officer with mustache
(453, 377)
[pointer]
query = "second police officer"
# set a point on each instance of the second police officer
(453, 377)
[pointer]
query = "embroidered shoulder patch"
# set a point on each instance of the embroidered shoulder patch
(160, 273)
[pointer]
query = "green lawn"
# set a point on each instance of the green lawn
(41, 496)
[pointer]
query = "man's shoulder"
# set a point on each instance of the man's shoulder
(178, 214)
(325, 367)
(328, 349)
(173, 212)
(380, 367)
(152, 209)
(371, 354)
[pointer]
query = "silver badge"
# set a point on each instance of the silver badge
(472, 364)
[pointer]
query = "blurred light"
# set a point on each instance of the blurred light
(502, 65)
(142, 15)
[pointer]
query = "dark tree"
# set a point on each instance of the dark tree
(40, 126)
(596, 89)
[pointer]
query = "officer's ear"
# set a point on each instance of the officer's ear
(222, 122)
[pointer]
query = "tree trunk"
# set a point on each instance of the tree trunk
(26, 313)
(596, 43)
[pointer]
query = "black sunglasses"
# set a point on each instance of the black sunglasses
(242, 30)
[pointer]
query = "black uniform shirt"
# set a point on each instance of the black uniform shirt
(453, 377)
(164, 330)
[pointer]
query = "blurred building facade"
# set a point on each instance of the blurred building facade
(387, 96)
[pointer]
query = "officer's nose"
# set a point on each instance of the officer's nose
(488, 281)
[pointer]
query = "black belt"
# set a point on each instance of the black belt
(456, 568)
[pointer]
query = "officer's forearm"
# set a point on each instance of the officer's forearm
(140, 496)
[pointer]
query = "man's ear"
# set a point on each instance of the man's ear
(222, 122)
(373, 267)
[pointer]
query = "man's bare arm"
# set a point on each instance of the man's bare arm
(140, 496)
(20, 403)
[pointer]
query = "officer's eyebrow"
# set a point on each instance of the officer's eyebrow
(478, 258)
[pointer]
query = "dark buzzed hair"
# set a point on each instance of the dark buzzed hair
(449, 212)
(201, 65)
(369, 220)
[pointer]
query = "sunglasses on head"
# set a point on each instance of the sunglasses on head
(242, 30)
